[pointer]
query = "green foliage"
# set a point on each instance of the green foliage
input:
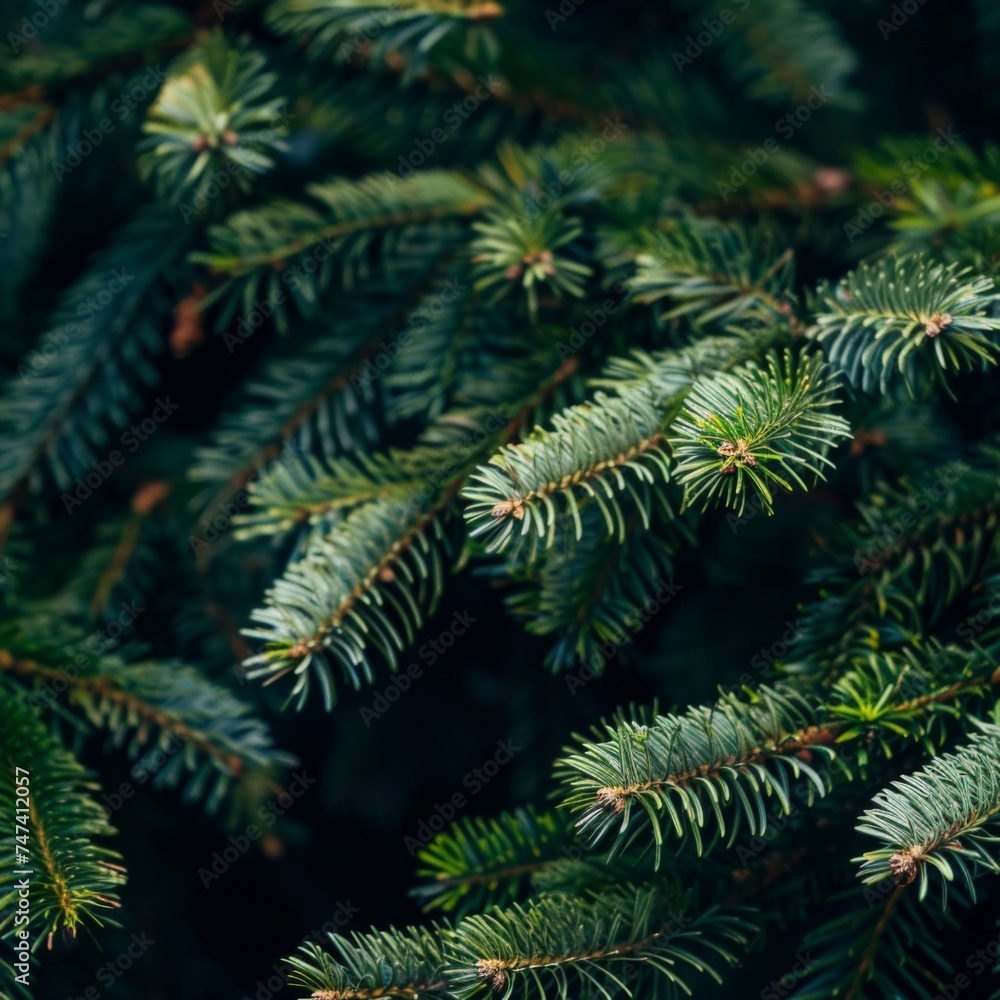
(906, 317)
(524, 304)
(478, 863)
(743, 433)
(564, 947)
(595, 451)
(714, 273)
(628, 939)
(50, 833)
(939, 821)
(344, 29)
(211, 114)
(55, 411)
(686, 772)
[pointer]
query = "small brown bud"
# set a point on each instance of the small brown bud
(937, 323)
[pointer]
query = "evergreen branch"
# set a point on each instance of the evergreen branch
(143, 703)
(98, 49)
(389, 964)
(321, 396)
(919, 547)
(943, 819)
(124, 557)
(680, 772)
(363, 585)
(909, 316)
(31, 135)
(788, 50)
(82, 377)
(455, 352)
(890, 946)
(595, 451)
(755, 428)
(372, 577)
(50, 831)
(212, 114)
(540, 252)
(714, 273)
(261, 251)
(631, 940)
(909, 695)
(592, 593)
(478, 863)
(332, 27)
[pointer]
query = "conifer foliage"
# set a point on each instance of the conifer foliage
(312, 305)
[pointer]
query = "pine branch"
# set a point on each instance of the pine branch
(595, 451)
(889, 946)
(366, 585)
(213, 113)
(909, 695)
(594, 592)
(369, 582)
(919, 547)
(145, 703)
(715, 273)
(50, 831)
(318, 399)
(632, 940)
(479, 863)
(261, 252)
(96, 50)
(943, 819)
(332, 27)
(541, 252)
(681, 772)
(753, 429)
(908, 317)
(396, 965)
(786, 51)
(83, 376)
(629, 938)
